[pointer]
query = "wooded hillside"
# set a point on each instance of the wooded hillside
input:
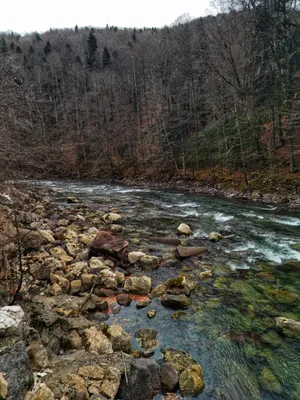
(216, 93)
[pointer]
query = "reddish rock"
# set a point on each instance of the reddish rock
(124, 299)
(107, 244)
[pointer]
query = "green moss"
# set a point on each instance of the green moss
(282, 296)
(272, 338)
(247, 290)
(269, 381)
(250, 351)
(176, 282)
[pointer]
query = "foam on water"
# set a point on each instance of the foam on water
(286, 221)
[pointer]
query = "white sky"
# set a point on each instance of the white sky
(35, 15)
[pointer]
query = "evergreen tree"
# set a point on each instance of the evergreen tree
(31, 50)
(47, 48)
(76, 29)
(18, 50)
(134, 36)
(3, 46)
(91, 48)
(106, 57)
(12, 46)
(38, 37)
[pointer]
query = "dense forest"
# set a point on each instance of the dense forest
(214, 94)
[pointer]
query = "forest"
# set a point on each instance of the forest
(201, 99)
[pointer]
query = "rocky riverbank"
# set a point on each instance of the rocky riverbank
(75, 271)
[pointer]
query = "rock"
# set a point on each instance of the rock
(72, 200)
(77, 269)
(95, 340)
(75, 286)
(183, 284)
(205, 275)
(124, 299)
(289, 327)
(169, 378)
(91, 372)
(215, 237)
(102, 292)
(61, 281)
(111, 217)
(15, 366)
(178, 359)
(139, 385)
(38, 355)
(191, 380)
(158, 291)
(155, 377)
(53, 265)
(97, 263)
(109, 263)
(151, 314)
(120, 277)
(138, 285)
(269, 381)
(184, 229)
(54, 290)
(148, 262)
(184, 252)
(147, 338)
(107, 244)
(135, 256)
(143, 303)
(47, 236)
(72, 249)
(42, 393)
(111, 383)
(58, 253)
(71, 341)
(11, 318)
(120, 339)
(77, 385)
(3, 387)
(116, 228)
(175, 301)
(108, 279)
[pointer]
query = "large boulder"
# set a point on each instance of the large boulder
(138, 385)
(176, 301)
(191, 380)
(289, 327)
(107, 244)
(138, 285)
(184, 229)
(178, 359)
(15, 366)
(184, 252)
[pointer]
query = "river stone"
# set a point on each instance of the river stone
(71, 340)
(183, 284)
(169, 377)
(47, 236)
(184, 229)
(124, 299)
(139, 383)
(61, 281)
(191, 380)
(289, 327)
(75, 286)
(135, 256)
(107, 244)
(97, 263)
(42, 393)
(11, 320)
(120, 339)
(91, 372)
(95, 340)
(178, 359)
(184, 252)
(38, 355)
(154, 371)
(158, 291)
(215, 237)
(15, 366)
(147, 338)
(3, 387)
(111, 217)
(143, 303)
(175, 301)
(148, 262)
(138, 285)
(205, 275)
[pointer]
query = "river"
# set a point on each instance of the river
(230, 328)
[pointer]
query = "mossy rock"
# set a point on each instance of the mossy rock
(295, 246)
(282, 296)
(213, 303)
(272, 338)
(178, 359)
(269, 381)
(250, 351)
(266, 276)
(191, 380)
(220, 282)
(247, 290)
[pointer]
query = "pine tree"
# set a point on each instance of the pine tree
(106, 57)
(134, 36)
(3, 46)
(91, 48)
(18, 50)
(76, 29)
(47, 48)
(12, 46)
(38, 37)
(31, 50)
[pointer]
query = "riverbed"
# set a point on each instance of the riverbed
(230, 328)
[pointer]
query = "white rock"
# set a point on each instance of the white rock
(135, 256)
(184, 229)
(10, 320)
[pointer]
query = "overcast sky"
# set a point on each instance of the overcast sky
(36, 15)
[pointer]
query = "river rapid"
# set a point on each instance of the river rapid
(230, 328)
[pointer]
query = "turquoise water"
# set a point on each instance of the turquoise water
(230, 328)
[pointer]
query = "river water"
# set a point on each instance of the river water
(230, 328)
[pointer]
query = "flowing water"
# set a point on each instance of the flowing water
(230, 328)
